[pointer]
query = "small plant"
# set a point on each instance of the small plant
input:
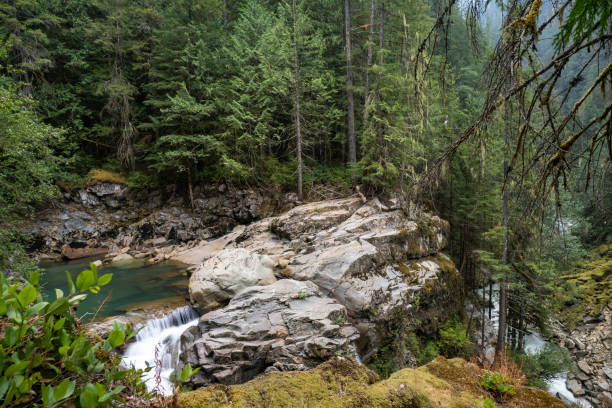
(47, 360)
(454, 341)
(488, 403)
(302, 294)
(495, 383)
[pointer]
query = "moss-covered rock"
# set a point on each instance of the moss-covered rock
(589, 287)
(342, 382)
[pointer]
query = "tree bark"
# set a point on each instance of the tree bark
(224, 12)
(298, 126)
(503, 295)
(352, 143)
(369, 61)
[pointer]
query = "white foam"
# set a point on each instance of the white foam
(163, 334)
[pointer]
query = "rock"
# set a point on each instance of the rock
(86, 252)
(313, 217)
(608, 371)
(289, 325)
(363, 255)
(97, 263)
(584, 366)
(225, 274)
(122, 258)
(575, 387)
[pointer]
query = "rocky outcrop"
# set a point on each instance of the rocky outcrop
(111, 215)
(343, 383)
(288, 325)
(229, 271)
(375, 259)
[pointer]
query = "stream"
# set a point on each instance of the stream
(132, 284)
(534, 343)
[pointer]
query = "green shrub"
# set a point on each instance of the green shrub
(429, 352)
(138, 180)
(47, 360)
(542, 366)
(454, 341)
(496, 384)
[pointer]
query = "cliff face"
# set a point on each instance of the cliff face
(351, 276)
(342, 382)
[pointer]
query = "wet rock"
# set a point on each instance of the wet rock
(289, 325)
(122, 258)
(575, 387)
(229, 271)
(84, 252)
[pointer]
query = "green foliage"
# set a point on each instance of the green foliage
(27, 167)
(453, 341)
(428, 353)
(544, 365)
(584, 18)
(488, 403)
(45, 357)
(495, 383)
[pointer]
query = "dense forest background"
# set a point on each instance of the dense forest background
(302, 94)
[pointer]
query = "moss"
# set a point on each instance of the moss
(105, 176)
(587, 289)
(343, 383)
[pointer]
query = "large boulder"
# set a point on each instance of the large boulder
(288, 325)
(229, 271)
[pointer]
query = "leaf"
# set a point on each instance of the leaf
(4, 384)
(94, 270)
(17, 367)
(27, 295)
(36, 308)
(2, 307)
(70, 283)
(59, 324)
(58, 306)
(64, 390)
(11, 335)
(88, 398)
(85, 280)
(59, 293)
(116, 338)
(105, 279)
(75, 300)
(115, 391)
(34, 277)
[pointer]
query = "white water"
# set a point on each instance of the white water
(161, 336)
(534, 343)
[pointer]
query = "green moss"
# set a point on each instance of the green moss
(343, 383)
(587, 289)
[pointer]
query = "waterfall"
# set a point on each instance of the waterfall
(163, 334)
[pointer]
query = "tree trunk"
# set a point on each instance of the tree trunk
(484, 311)
(503, 295)
(190, 186)
(381, 37)
(352, 144)
(369, 61)
(296, 68)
